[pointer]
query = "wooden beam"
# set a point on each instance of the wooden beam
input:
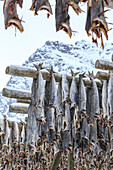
(55, 162)
(20, 71)
(17, 94)
(19, 108)
(23, 101)
(104, 65)
(70, 161)
(102, 75)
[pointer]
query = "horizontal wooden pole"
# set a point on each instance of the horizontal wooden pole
(19, 108)
(23, 101)
(20, 71)
(104, 65)
(102, 75)
(17, 94)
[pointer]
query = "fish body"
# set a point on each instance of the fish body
(31, 129)
(59, 100)
(39, 90)
(95, 107)
(11, 17)
(74, 5)
(51, 118)
(66, 119)
(7, 132)
(53, 92)
(9, 2)
(62, 18)
(105, 98)
(65, 89)
(15, 133)
(42, 4)
(82, 96)
(73, 93)
(110, 94)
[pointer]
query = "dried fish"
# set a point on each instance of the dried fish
(96, 21)
(42, 4)
(9, 2)
(66, 119)
(82, 96)
(105, 98)
(33, 5)
(110, 94)
(11, 17)
(65, 89)
(74, 5)
(53, 91)
(39, 98)
(6, 131)
(62, 17)
(73, 91)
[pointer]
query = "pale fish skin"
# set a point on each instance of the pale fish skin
(7, 132)
(110, 94)
(53, 92)
(105, 98)
(84, 133)
(65, 89)
(66, 118)
(39, 98)
(73, 93)
(59, 100)
(51, 118)
(95, 112)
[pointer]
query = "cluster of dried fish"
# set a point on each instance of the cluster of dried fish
(10, 14)
(96, 21)
(64, 123)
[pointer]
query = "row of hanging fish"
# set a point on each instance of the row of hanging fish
(10, 14)
(96, 21)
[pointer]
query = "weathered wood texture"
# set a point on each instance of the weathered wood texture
(17, 94)
(19, 108)
(21, 71)
(23, 101)
(102, 75)
(104, 65)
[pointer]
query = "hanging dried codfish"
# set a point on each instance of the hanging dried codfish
(53, 91)
(11, 18)
(66, 119)
(33, 5)
(31, 128)
(96, 21)
(84, 133)
(42, 4)
(105, 98)
(59, 108)
(65, 89)
(15, 133)
(6, 131)
(110, 96)
(73, 91)
(95, 112)
(62, 17)
(11, 2)
(39, 98)
(74, 5)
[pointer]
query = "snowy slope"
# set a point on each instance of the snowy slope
(79, 57)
